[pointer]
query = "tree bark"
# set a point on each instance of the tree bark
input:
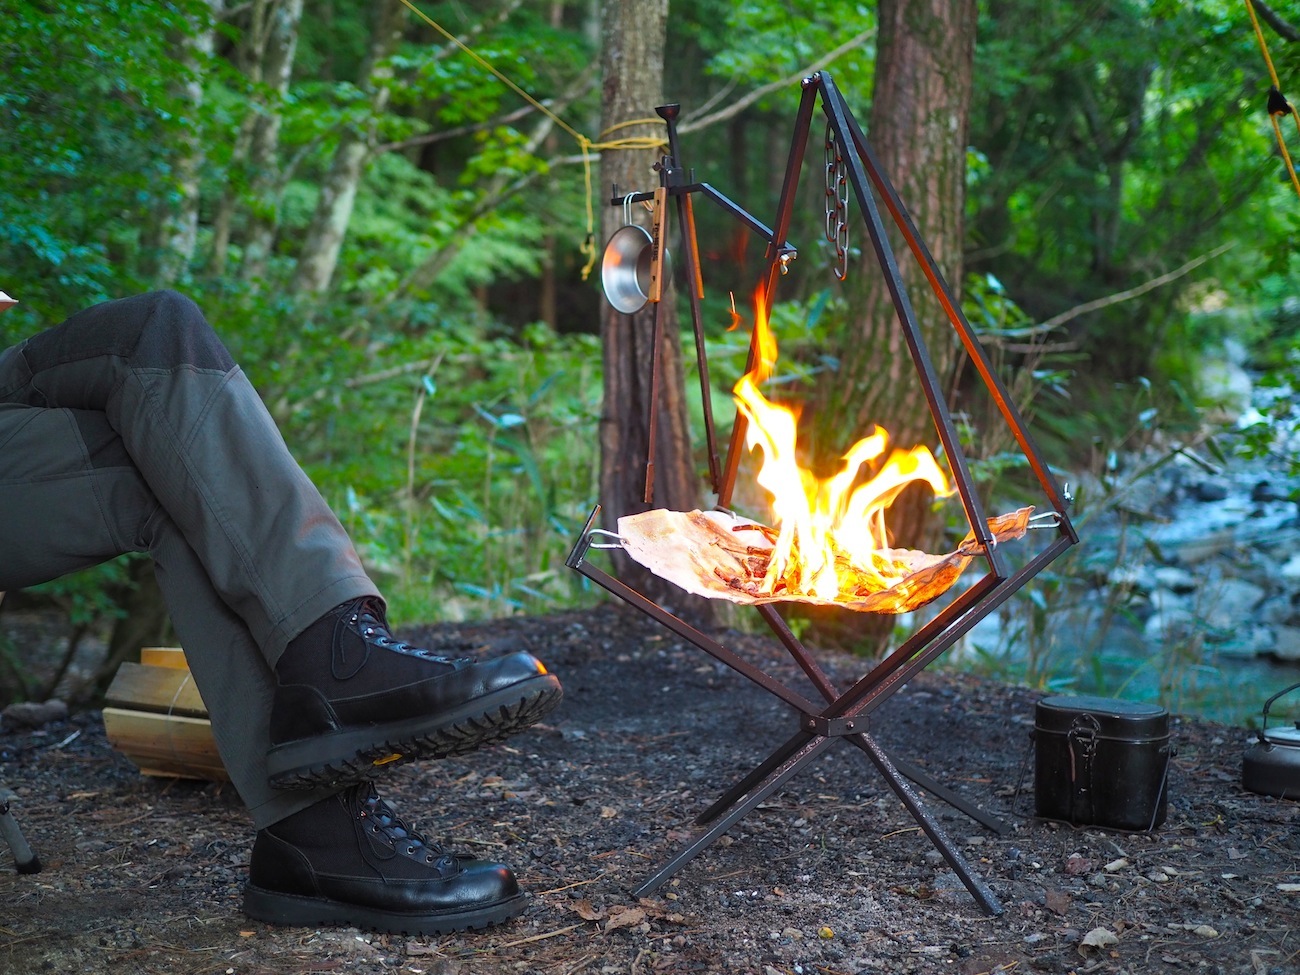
(264, 181)
(918, 131)
(632, 36)
(248, 58)
(176, 231)
(338, 193)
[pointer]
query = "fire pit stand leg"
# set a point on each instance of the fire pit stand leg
(808, 748)
(977, 887)
(818, 730)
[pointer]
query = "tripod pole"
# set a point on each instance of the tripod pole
(24, 859)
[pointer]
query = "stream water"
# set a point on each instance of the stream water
(1184, 591)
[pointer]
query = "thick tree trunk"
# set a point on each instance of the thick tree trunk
(918, 131)
(632, 69)
(324, 240)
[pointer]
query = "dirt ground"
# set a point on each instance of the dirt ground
(831, 876)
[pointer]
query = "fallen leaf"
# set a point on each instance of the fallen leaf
(585, 910)
(1056, 901)
(1076, 865)
(625, 919)
(608, 812)
(1100, 938)
(1114, 865)
(1205, 931)
(415, 949)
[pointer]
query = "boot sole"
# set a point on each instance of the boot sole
(349, 756)
(297, 911)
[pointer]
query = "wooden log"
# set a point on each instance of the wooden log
(165, 744)
(155, 716)
(164, 690)
(173, 657)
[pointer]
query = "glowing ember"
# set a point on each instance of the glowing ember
(831, 539)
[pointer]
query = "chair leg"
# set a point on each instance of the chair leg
(24, 859)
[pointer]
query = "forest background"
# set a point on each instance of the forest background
(390, 211)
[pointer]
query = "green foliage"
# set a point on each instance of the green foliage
(1092, 120)
(86, 120)
(766, 40)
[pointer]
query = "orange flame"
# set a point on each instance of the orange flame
(830, 532)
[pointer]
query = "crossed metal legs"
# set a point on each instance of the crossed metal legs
(843, 717)
(779, 768)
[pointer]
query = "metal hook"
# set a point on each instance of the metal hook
(618, 543)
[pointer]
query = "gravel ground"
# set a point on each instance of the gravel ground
(830, 876)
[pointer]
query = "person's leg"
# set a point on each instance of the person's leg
(70, 497)
(348, 699)
(201, 438)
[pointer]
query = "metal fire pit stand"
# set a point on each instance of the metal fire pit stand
(845, 714)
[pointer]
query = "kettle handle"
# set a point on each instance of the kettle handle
(1269, 703)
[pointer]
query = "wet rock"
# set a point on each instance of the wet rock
(1175, 579)
(1210, 491)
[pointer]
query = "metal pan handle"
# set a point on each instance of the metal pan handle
(1269, 703)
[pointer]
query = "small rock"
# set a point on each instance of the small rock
(30, 714)
(1210, 491)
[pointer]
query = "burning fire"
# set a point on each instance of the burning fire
(831, 537)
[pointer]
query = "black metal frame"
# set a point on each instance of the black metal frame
(845, 715)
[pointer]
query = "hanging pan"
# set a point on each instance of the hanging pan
(635, 263)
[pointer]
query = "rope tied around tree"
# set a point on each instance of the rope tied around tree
(585, 145)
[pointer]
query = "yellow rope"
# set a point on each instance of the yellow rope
(1284, 107)
(585, 145)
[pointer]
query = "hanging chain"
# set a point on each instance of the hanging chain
(837, 204)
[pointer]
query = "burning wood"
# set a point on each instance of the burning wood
(830, 545)
(723, 556)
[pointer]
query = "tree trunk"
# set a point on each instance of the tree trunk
(264, 144)
(918, 126)
(249, 55)
(338, 193)
(632, 70)
(176, 231)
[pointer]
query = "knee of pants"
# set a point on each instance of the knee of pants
(175, 332)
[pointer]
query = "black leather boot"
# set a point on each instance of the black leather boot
(352, 700)
(349, 860)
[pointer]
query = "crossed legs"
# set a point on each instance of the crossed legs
(129, 428)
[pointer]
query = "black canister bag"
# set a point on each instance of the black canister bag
(1101, 762)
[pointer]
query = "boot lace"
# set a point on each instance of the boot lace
(368, 618)
(379, 817)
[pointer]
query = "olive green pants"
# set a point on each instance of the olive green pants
(129, 429)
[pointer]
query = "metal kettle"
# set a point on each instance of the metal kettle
(1271, 765)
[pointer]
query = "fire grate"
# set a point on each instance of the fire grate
(845, 713)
